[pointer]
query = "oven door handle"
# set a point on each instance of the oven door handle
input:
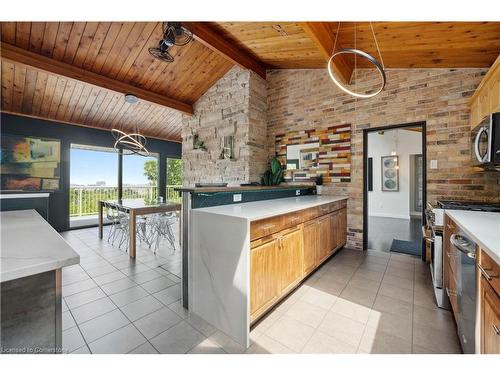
(479, 157)
(455, 243)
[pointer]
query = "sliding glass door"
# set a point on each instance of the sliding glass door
(93, 177)
(174, 179)
(140, 177)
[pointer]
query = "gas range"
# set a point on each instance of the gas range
(470, 206)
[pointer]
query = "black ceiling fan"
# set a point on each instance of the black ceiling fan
(174, 34)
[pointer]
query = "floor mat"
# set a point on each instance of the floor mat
(406, 247)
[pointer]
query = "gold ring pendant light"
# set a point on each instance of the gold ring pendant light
(356, 52)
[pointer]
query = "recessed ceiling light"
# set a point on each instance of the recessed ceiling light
(131, 98)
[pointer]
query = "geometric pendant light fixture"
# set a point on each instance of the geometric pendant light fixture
(133, 142)
(356, 52)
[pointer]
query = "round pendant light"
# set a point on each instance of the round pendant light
(368, 57)
(357, 52)
(130, 142)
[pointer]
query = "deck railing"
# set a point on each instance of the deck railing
(84, 200)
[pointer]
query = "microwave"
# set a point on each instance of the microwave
(485, 143)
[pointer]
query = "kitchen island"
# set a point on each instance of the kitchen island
(32, 256)
(244, 258)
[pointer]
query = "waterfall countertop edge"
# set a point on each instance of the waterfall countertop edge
(29, 246)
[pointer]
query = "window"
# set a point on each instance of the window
(174, 179)
(140, 177)
(93, 177)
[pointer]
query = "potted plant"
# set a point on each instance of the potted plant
(198, 144)
(319, 184)
(274, 174)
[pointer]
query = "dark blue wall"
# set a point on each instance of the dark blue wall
(59, 201)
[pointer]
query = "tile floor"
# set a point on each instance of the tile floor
(371, 302)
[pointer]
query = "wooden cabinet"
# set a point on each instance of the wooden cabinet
(324, 237)
(342, 227)
(486, 99)
(285, 249)
(290, 259)
(338, 230)
(311, 242)
(264, 277)
(490, 319)
(491, 270)
(489, 302)
(265, 227)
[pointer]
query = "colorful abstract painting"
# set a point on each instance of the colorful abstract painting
(324, 151)
(30, 163)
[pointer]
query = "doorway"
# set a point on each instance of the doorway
(394, 188)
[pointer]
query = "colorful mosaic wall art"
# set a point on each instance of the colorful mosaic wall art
(308, 153)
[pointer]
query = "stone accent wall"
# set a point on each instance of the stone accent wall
(235, 105)
(302, 99)
(257, 132)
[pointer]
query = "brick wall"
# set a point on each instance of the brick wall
(235, 105)
(302, 99)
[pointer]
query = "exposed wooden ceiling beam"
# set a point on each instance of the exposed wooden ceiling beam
(207, 36)
(321, 34)
(22, 56)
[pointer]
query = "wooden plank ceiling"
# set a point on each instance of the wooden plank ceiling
(118, 51)
(31, 92)
(403, 44)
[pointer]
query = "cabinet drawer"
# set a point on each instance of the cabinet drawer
(490, 271)
(324, 209)
(265, 227)
(294, 218)
(338, 205)
(311, 213)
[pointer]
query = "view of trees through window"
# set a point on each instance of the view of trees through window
(94, 177)
(174, 178)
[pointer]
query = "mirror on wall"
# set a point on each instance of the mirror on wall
(303, 156)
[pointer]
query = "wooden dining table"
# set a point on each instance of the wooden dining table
(134, 208)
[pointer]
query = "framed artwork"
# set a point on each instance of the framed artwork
(390, 173)
(30, 163)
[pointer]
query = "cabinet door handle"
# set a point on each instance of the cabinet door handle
(496, 329)
(268, 226)
(485, 273)
(450, 226)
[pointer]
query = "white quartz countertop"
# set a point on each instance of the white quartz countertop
(267, 208)
(24, 195)
(29, 245)
(482, 227)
